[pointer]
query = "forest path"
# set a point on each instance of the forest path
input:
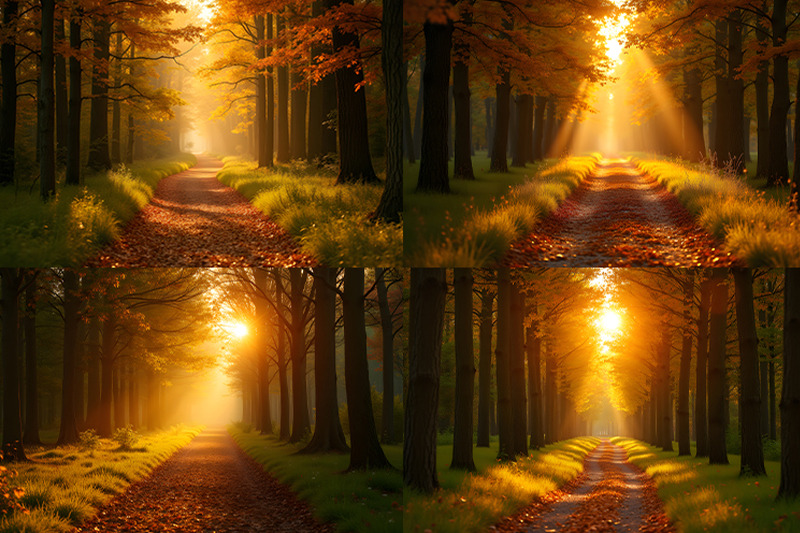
(618, 216)
(193, 220)
(611, 495)
(209, 485)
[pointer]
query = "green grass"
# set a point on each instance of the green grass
(759, 230)
(356, 501)
(330, 222)
(702, 497)
(63, 486)
(470, 502)
(478, 221)
(69, 228)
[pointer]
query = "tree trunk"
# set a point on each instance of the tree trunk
(68, 432)
(465, 371)
(736, 92)
(13, 449)
(116, 109)
(519, 401)
(722, 126)
(427, 301)
(749, 395)
(433, 171)
(46, 104)
(264, 156)
(107, 376)
(694, 142)
(297, 144)
(500, 142)
(664, 398)
(8, 111)
(551, 372)
(328, 434)
(504, 420)
(700, 413)
(31, 436)
(62, 110)
(717, 452)
(300, 421)
(283, 433)
(262, 334)
(133, 398)
(796, 169)
(462, 161)
(538, 128)
(485, 368)
(387, 347)
(73, 172)
(778, 159)
(789, 488)
(99, 158)
(550, 128)
(391, 203)
(684, 436)
(282, 155)
(409, 150)
(524, 132)
(132, 147)
(533, 347)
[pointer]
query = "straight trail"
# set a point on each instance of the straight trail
(210, 485)
(618, 216)
(611, 495)
(193, 220)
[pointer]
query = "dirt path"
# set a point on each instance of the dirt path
(618, 217)
(194, 220)
(611, 495)
(209, 485)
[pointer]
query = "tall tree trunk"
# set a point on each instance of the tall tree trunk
(264, 158)
(428, 289)
(132, 132)
(789, 488)
(694, 142)
(465, 371)
(93, 374)
(717, 452)
(46, 103)
(68, 433)
(533, 346)
(73, 171)
(665, 394)
(13, 449)
(762, 101)
(98, 123)
(516, 351)
(538, 127)
(263, 332)
(485, 368)
(462, 168)
(409, 150)
(365, 450)
(778, 159)
(736, 91)
(722, 126)
(133, 397)
(269, 127)
(551, 373)
(500, 142)
(283, 433)
(328, 434)
(8, 111)
(62, 110)
(550, 129)
(31, 436)
(504, 420)
(700, 412)
(394, 72)
(796, 169)
(300, 422)
(282, 155)
(524, 131)
(433, 171)
(316, 108)
(106, 379)
(297, 143)
(355, 162)
(684, 437)
(116, 109)
(387, 347)
(749, 394)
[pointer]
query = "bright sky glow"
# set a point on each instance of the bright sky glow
(609, 322)
(612, 30)
(237, 330)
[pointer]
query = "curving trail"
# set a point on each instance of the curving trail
(611, 495)
(193, 220)
(209, 485)
(618, 217)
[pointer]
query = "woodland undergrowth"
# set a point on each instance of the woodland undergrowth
(69, 228)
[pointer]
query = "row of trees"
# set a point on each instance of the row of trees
(557, 369)
(297, 72)
(115, 55)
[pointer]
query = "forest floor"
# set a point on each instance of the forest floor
(610, 495)
(209, 485)
(194, 220)
(618, 216)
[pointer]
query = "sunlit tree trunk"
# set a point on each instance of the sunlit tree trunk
(504, 420)
(717, 451)
(433, 170)
(262, 335)
(300, 421)
(133, 397)
(789, 488)
(533, 346)
(328, 434)
(465, 371)
(519, 401)
(524, 132)
(426, 320)
(262, 148)
(550, 128)
(283, 384)
(283, 152)
(664, 405)
(752, 456)
(68, 432)
(93, 374)
(694, 142)
(106, 376)
(485, 367)
(778, 160)
(684, 439)
(551, 374)
(299, 103)
(538, 127)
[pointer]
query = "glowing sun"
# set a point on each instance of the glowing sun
(609, 322)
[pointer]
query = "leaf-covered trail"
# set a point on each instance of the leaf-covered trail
(194, 220)
(209, 485)
(618, 217)
(611, 495)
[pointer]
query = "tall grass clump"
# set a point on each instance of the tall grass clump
(355, 502)
(56, 492)
(481, 235)
(80, 219)
(756, 229)
(330, 221)
(472, 502)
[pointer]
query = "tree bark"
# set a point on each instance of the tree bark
(68, 432)
(694, 142)
(107, 376)
(533, 347)
(8, 111)
(13, 449)
(500, 142)
(262, 335)
(62, 109)
(73, 172)
(283, 385)
(701, 419)
(502, 355)
(465, 371)
(426, 321)
(297, 144)
(99, 158)
(264, 154)
(31, 436)
(282, 155)
(762, 101)
(717, 452)
(485, 368)
(46, 103)
(519, 401)
(433, 171)
(387, 347)
(789, 488)
(300, 421)
(736, 92)
(538, 127)
(684, 436)
(752, 456)
(462, 160)
(778, 159)
(524, 131)
(116, 110)
(664, 394)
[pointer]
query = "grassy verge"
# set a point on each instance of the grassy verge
(63, 486)
(355, 501)
(759, 230)
(475, 224)
(702, 497)
(473, 502)
(329, 221)
(68, 229)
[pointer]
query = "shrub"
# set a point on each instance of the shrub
(126, 437)
(10, 496)
(89, 439)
